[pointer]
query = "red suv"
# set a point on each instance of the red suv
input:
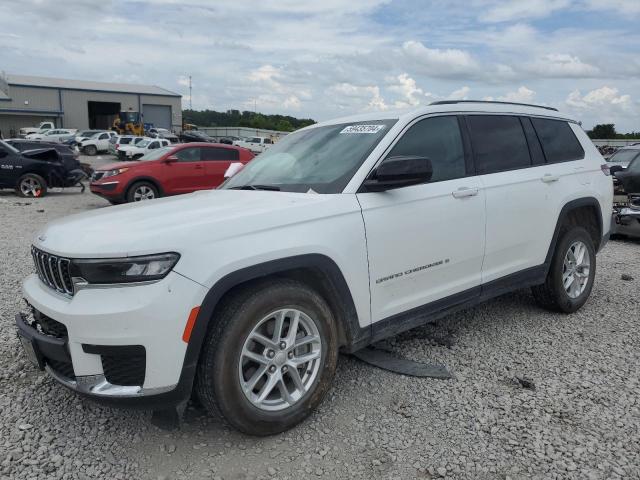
(170, 170)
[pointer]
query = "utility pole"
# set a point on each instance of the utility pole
(190, 104)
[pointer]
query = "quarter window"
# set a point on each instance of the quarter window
(499, 143)
(558, 140)
(219, 154)
(438, 139)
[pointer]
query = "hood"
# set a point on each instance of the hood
(175, 223)
(113, 166)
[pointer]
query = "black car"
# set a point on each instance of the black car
(188, 136)
(629, 178)
(67, 155)
(33, 171)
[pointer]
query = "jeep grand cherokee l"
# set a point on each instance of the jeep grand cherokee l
(341, 234)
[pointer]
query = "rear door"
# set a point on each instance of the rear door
(521, 193)
(187, 174)
(216, 162)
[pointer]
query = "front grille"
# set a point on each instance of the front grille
(55, 272)
(124, 370)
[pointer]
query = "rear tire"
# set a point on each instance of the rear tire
(90, 150)
(31, 185)
(292, 385)
(141, 191)
(571, 274)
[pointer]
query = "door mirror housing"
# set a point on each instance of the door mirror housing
(171, 159)
(615, 168)
(399, 171)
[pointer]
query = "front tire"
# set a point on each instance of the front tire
(141, 191)
(90, 150)
(270, 357)
(31, 185)
(571, 274)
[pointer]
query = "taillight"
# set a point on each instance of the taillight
(117, 146)
(605, 169)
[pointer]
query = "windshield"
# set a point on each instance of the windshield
(322, 159)
(155, 154)
(143, 143)
(623, 156)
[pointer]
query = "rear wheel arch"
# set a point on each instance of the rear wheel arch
(583, 212)
(315, 270)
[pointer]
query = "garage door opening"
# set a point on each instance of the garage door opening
(158, 116)
(102, 114)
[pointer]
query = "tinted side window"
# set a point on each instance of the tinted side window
(439, 139)
(499, 143)
(558, 140)
(222, 154)
(189, 154)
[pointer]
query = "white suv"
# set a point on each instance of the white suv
(341, 234)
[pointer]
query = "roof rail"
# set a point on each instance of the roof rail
(451, 102)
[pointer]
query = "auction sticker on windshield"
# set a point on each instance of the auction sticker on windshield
(362, 129)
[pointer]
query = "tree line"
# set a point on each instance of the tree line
(236, 118)
(608, 131)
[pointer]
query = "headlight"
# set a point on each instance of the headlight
(114, 172)
(124, 270)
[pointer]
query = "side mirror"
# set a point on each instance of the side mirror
(400, 171)
(615, 168)
(171, 159)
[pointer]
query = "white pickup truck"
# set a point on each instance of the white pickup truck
(41, 128)
(255, 144)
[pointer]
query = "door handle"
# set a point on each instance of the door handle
(463, 192)
(198, 167)
(548, 178)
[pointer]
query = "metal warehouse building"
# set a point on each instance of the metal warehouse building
(26, 101)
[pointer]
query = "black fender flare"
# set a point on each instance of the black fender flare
(562, 217)
(343, 299)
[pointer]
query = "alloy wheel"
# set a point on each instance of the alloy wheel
(143, 193)
(280, 359)
(575, 269)
(30, 187)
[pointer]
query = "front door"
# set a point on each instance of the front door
(426, 242)
(187, 174)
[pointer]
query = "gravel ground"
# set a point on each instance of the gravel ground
(579, 418)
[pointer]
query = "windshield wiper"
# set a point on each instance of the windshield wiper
(272, 188)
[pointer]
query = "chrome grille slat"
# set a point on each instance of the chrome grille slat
(53, 271)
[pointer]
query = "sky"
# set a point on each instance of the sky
(331, 58)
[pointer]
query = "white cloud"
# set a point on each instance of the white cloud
(522, 95)
(405, 86)
(459, 94)
(440, 62)
(507, 10)
(599, 98)
(627, 7)
(562, 65)
(360, 97)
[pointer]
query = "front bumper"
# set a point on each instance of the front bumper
(95, 321)
(108, 190)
